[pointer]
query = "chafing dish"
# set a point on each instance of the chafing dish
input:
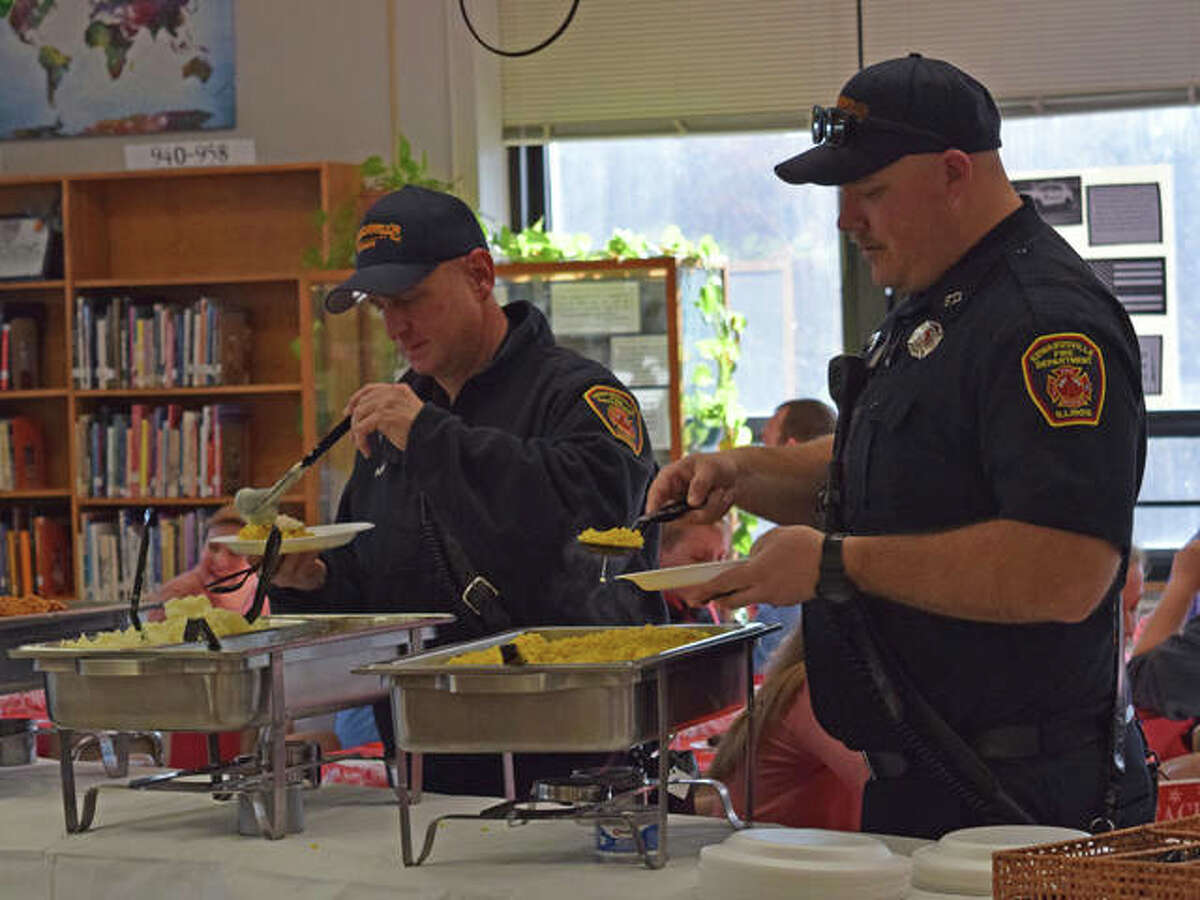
(561, 708)
(19, 674)
(188, 687)
(575, 707)
(298, 666)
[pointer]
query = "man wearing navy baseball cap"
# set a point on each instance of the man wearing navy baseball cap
(961, 588)
(480, 467)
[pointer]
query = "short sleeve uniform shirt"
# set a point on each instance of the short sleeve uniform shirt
(1011, 389)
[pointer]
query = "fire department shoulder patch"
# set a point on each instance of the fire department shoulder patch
(619, 413)
(1064, 375)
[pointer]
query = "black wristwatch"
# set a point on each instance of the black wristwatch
(832, 582)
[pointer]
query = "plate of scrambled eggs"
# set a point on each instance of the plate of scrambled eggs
(251, 540)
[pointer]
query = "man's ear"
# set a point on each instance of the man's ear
(482, 271)
(957, 170)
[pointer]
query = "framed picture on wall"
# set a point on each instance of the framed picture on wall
(87, 69)
(1057, 200)
(1151, 347)
(1140, 284)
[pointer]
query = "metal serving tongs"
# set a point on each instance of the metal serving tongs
(259, 505)
(668, 513)
(227, 584)
(199, 629)
(267, 567)
(139, 576)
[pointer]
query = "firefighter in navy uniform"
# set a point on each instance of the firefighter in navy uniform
(479, 467)
(962, 605)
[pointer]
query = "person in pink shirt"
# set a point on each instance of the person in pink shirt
(804, 778)
(216, 561)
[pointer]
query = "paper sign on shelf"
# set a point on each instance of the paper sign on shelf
(187, 154)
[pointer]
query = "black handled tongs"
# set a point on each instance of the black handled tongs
(668, 513)
(267, 568)
(258, 505)
(139, 576)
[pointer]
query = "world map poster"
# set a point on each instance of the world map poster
(115, 67)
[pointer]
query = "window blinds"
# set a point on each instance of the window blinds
(677, 66)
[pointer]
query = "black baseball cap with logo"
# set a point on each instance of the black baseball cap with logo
(892, 109)
(402, 238)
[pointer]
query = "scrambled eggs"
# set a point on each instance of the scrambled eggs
(288, 528)
(611, 645)
(629, 538)
(223, 622)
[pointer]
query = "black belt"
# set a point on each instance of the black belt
(1006, 742)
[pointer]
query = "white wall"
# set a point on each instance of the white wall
(313, 83)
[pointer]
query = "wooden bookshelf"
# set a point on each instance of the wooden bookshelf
(236, 234)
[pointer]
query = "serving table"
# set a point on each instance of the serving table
(182, 846)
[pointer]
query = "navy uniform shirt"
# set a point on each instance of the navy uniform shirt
(1010, 389)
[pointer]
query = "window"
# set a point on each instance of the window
(781, 241)
(1168, 510)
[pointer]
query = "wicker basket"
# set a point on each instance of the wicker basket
(1159, 861)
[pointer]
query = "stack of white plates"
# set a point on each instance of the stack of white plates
(959, 866)
(795, 863)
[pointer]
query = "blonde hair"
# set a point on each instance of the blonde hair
(784, 679)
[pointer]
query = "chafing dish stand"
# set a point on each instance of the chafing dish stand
(425, 689)
(245, 684)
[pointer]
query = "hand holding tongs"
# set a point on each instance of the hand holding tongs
(259, 505)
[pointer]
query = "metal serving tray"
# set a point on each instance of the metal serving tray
(439, 708)
(19, 674)
(187, 687)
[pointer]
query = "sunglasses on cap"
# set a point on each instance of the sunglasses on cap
(833, 126)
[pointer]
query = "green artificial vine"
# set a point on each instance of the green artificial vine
(377, 176)
(380, 176)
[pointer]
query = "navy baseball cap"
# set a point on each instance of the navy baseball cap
(892, 109)
(402, 238)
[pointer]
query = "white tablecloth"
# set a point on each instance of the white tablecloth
(184, 846)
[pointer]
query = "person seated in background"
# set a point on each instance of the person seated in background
(1131, 598)
(216, 561)
(687, 543)
(793, 422)
(1164, 671)
(189, 749)
(797, 421)
(804, 778)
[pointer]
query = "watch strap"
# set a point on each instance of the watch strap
(832, 581)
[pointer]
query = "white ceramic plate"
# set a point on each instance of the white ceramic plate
(679, 576)
(799, 864)
(323, 537)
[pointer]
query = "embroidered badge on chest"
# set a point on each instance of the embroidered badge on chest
(1065, 378)
(925, 338)
(619, 413)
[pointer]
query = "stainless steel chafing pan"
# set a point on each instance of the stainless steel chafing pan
(440, 708)
(15, 631)
(187, 687)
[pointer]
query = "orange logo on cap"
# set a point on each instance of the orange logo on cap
(856, 108)
(371, 234)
